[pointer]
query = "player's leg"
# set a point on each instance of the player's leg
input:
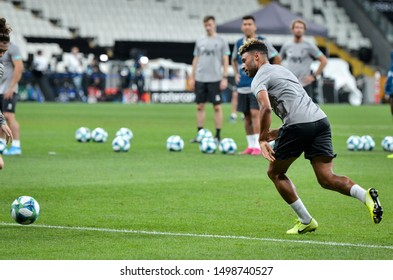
(391, 104)
(254, 111)
(320, 152)
(323, 168)
(249, 132)
(243, 107)
(218, 116)
(9, 113)
(391, 111)
(277, 173)
(290, 144)
(200, 115)
(233, 116)
(2, 136)
(200, 100)
(215, 98)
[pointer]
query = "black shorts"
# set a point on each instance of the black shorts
(246, 102)
(8, 105)
(314, 139)
(208, 92)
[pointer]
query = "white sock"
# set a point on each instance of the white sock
(234, 115)
(256, 141)
(358, 192)
(16, 143)
(250, 141)
(301, 212)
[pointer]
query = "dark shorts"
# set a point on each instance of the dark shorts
(9, 104)
(246, 102)
(208, 92)
(314, 139)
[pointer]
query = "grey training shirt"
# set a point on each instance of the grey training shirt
(298, 57)
(210, 52)
(288, 99)
(13, 53)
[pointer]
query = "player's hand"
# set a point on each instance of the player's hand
(267, 151)
(8, 94)
(8, 134)
(308, 79)
(223, 84)
(237, 78)
(191, 83)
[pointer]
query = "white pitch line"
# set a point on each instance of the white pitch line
(370, 246)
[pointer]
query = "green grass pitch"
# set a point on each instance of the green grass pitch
(151, 204)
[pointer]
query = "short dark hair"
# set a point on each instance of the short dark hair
(4, 31)
(207, 18)
(248, 17)
(253, 45)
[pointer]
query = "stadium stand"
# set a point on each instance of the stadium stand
(160, 20)
(119, 25)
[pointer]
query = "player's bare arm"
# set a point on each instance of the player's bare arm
(265, 115)
(17, 75)
(192, 76)
(224, 81)
(5, 129)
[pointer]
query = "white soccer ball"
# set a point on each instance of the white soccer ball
(99, 135)
(367, 143)
(121, 144)
(354, 143)
(272, 143)
(25, 210)
(174, 143)
(228, 146)
(203, 133)
(208, 146)
(387, 143)
(125, 132)
(3, 145)
(82, 134)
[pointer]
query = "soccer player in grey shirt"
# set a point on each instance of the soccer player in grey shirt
(247, 103)
(305, 129)
(298, 55)
(13, 69)
(210, 54)
(5, 131)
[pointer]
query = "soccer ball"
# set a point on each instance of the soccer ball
(367, 143)
(83, 134)
(25, 210)
(272, 144)
(174, 143)
(125, 132)
(99, 135)
(387, 143)
(3, 145)
(121, 144)
(208, 145)
(203, 133)
(228, 146)
(354, 143)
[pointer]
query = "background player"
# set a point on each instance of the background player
(247, 103)
(298, 55)
(13, 69)
(5, 131)
(210, 53)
